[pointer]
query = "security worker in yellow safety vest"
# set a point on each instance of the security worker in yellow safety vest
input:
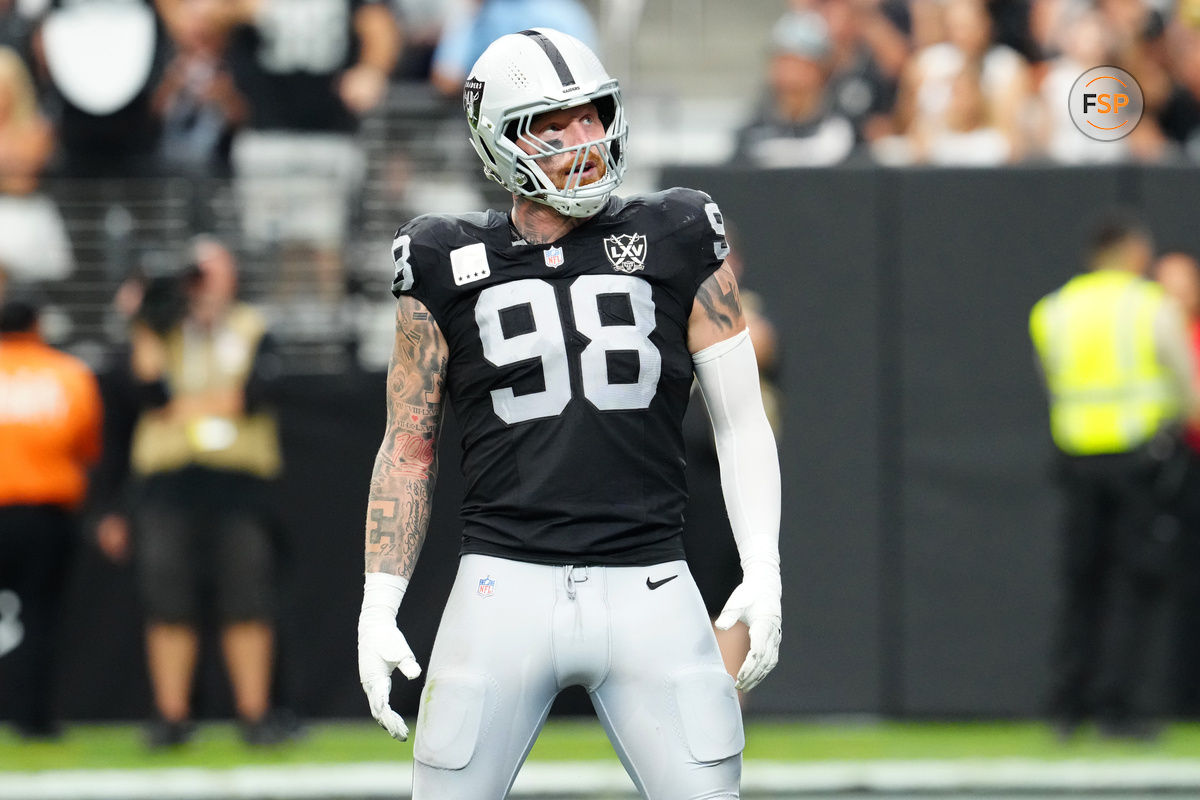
(1117, 369)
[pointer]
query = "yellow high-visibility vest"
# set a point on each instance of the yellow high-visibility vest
(1109, 392)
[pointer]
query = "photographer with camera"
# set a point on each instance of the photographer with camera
(204, 450)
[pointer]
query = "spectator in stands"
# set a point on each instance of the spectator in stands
(1130, 34)
(964, 135)
(1179, 274)
(102, 85)
(1117, 367)
(869, 50)
(1084, 41)
(204, 451)
(465, 38)
(1139, 47)
(50, 419)
(421, 23)
(797, 125)
(926, 87)
(34, 244)
(1180, 118)
(308, 78)
(196, 101)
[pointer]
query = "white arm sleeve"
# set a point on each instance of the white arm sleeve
(728, 376)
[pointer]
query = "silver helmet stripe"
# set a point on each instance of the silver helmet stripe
(555, 56)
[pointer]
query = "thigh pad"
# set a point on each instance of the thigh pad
(709, 715)
(451, 719)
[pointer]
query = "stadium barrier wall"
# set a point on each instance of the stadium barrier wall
(919, 537)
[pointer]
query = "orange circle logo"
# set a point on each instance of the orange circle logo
(1106, 103)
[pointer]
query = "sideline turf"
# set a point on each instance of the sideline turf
(217, 745)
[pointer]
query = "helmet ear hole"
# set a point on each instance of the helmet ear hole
(606, 107)
(491, 164)
(490, 156)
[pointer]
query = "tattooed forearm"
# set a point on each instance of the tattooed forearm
(397, 519)
(719, 298)
(409, 453)
(402, 482)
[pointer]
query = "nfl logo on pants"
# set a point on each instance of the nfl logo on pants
(487, 587)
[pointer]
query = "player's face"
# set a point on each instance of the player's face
(569, 127)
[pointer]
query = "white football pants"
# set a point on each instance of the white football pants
(637, 638)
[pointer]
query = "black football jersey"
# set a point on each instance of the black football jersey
(569, 371)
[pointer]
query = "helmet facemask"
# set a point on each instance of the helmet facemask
(572, 199)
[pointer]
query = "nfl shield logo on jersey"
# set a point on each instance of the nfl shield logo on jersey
(626, 251)
(487, 586)
(553, 256)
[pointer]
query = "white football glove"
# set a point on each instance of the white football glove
(382, 648)
(756, 602)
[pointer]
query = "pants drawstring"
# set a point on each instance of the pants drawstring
(572, 579)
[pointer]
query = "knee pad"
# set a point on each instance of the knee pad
(710, 719)
(455, 710)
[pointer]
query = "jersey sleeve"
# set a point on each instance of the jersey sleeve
(418, 255)
(702, 230)
(405, 278)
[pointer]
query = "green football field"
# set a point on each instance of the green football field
(217, 745)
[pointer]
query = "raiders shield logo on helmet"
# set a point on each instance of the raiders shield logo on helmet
(626, 251)
(472, 94)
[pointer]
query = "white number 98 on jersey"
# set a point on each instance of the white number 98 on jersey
(543, 337)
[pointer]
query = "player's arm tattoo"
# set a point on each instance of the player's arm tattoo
(402, 483)
(717, 310)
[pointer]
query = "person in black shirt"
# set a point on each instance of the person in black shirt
(102, 85)
(799, 123)
(309, 69)
(566, 333)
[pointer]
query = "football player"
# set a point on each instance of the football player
(566, 332)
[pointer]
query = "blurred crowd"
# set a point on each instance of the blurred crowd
(121, 87)
(971, 82)
(271, 94)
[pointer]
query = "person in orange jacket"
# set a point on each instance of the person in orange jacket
(50, 420)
